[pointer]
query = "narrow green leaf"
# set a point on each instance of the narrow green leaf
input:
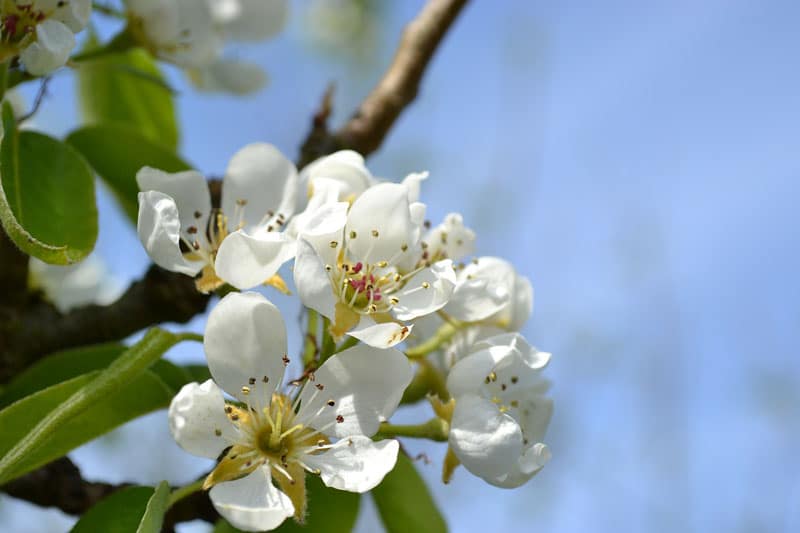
(47, 203)
(404, 502)
(59, 367)
(97, 396)
(153, 516)
(128, 88)
(124, 511)
(117, 152)
(143, 395)
(68, 364)
(329, 510)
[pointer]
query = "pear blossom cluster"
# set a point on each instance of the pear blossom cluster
(395, 293)
(192, 34)
(41, 32)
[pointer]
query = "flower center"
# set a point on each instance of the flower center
(20, 20)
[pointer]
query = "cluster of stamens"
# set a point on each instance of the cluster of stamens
(370, 288)
(276, 434)
(20, 20)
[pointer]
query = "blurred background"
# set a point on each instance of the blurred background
(639, 162)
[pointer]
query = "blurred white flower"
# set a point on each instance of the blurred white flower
(84, 283)
(241, 243)
(323, 430)
(501, 412)
(192, 34)
(42, 32)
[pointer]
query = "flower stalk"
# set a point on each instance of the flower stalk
(434, 429)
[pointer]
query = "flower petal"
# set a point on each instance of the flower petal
(245, 260)
(74, 13)
(381, 220)
(451, 238)
(469, 374)
(189, 191)
(427, 291)
(245, 342)
(264, 180)
(256, 20)
(313, 281)
(355, 464)
(365, 385)
(198, 422)
(412, 184)
(229, 76)
(158, 227)
(54, 41)
(487, 442)
(477, 298)
(383, 335)
(252, 503)
(344, 167)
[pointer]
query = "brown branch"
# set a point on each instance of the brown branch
(13, 273)
(59, 484)
(367, 128)
(38, 330)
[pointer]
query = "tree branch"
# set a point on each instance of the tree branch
(398, 87)
(160, 296)
(59, 484)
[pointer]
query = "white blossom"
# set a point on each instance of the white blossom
(192, 35)
(241, 243)
(42, 32)
(71, 286)
(272, 437)
(501, 411)
(363, 272)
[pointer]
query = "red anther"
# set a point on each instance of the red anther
(357, 267)
(10, 24)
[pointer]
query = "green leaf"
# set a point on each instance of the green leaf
(329, 510)
(68, 364)
(404, 502)
(154, 513)
(117, 152)
(128, 88)
(47, 203)
(132, 509)
(59, 367)
(47, 424)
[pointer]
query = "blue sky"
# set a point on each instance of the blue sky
(638, 161)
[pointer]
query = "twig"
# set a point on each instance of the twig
(365, 131)
(37, 102)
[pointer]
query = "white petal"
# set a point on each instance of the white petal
(417, 300)
(54, 42)
(188, 189)
(158, 227)
(355, 464)
(196, 414)
(245, 260)
(229, 76)
(257, 20)
(451, 238)
(478, 298)
(383, 335)
(252, 503)
(344, 167)
(261, 176)
(468, 374)
(412, 183)
(530, 356)
(531, 462)
(322, 222)
(521, 303)
(313, 281)
(195, 42)
(246, 338)
(487, 442)
(382, 222)
(365, 384)
(73, 13)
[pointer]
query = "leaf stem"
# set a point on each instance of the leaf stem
(444, 334)
(310, 351)
(3, 79)
(182, 492)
